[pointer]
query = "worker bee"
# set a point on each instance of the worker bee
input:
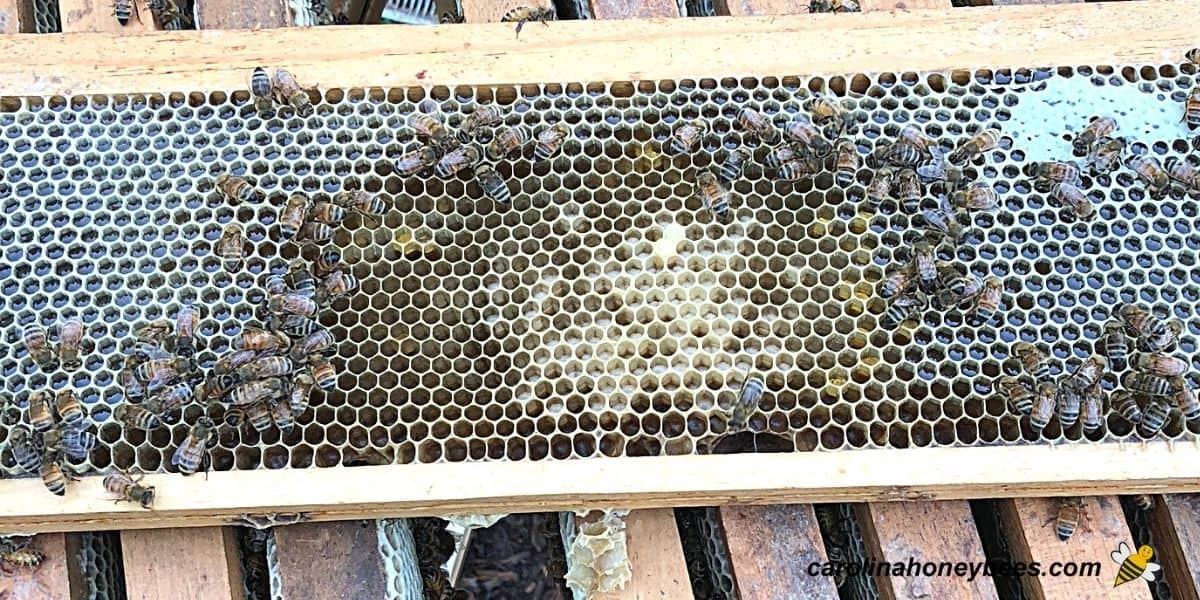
(713, 193)
(260, 89)
(186, 322)
(1164, 340)
(801, 132)
(897, 281)
(153, 336)
(289, 91)
(259, 415)
(327, 262)
(231, 247)
(1191, 108)
(827, 113)
(925, 264)
(292, 304)
(122, 10)
(507, 141)
(17, 555)
(733, 165)
(1192, 56)
(1106, 155)
(1154, 418)
(904, 307)
(253, 338)
(335, 285)
(1073, 198)
(71, 343)
(757, 125)
(322, 371)
(1184, 172)
(795, 169)
(69, 408)
(1116, 346)
(432, 128)
(524, 14)
(1126, 406)
(162, 371)
(171, 399)
(834, 6)
(137, 417)
(71, 443)
(988, 300)
(881, 185)
(130, 386)
(37, 344)
(550, 141)
(326, 212)
(781, 155)
(493, 185)
(1019, 396)
(1099, 128)
(899, 154)
(487, 115)
(1157, 363)
(909, 190)
(977, 196)
(24, 450)
(365, 203)
(269, 366)
(1069, 400)
(315, 232)
(986, 139)
(457, 160)
(1088, 372)
(1067, 520)
(912, 135)
(192, 454)
(1185, 399)
(295, 325)
(167, 14)
(961, 288)
(1059, 172)
(54, 477)
(1035, 362)
(1145, 383)
(255, 391)
(1150, 172)
(214, 387)
(317, 341)
(1043, 406)
(128, 489)
(747, 402)
(236, 188)
(1141, 321)
(846, 162)
(41, 415)
(232, 361)
(1143, 502)
(281, 415)
(302, 385)
(413, 163)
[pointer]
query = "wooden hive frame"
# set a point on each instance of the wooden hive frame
(488, 54)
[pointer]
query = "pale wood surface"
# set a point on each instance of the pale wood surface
(325, 561)
(491, 11)
(935, 532)
(606, 50)
(48, 581)
(756, 8)
(770, 548)
(198, 564)
(873, 5)
(656, 557)
(1018, 2)
(240, 14)
(637, 482)
(97, 16)
(633, 9)
(1029, 526)
(1175, 524)
(16, 16)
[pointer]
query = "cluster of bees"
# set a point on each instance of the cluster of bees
(449, 154)
(834, 6)
(166, 13)
(15, 552)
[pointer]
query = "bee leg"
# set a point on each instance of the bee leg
(520, 25)
(368, 216)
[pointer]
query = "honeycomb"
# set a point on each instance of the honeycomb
(102, 566)
(45, 16)
(605, 313)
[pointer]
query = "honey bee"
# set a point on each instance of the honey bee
(846, 162)
(1143, 502)
(881, 185)
(292, 304)
(782, 155)
(130, 386)
(231, 247)
(315, 232)
(70, 343)
(1185, 399)
(899, 154)
(299, 279)
(18, 554)
(192, 454)
(1191, 108)
(925, 263)
(255, 391)
(214, 387)
(167, 14)
(269, 366)
(550, 141)
(909, 190)
(365, 203)
(1164, 340)
(1043, 406)
(487, 115)
(978, 196)
(1073, 198)
(734, 165)
(302, 385)
(1192, 56)
(897, 281)
(1184, 172)
(747, 402)
(1088, 373)
(1069, 400)
(323, 372)
(801, 132)
(122, 10)
(1099, 128)
(524, 14)
(962, 288)
(289, 91)
(493, 185)
(259, 415)
(335, 285)
(186, 322)
(757, 125)
(128, 489)
(253, 338)
(136, 417)
(430, 127)
(1067, 520)
(1126, 406)
(714, 195)
(1145, 383)
(827, 113)
(1116, 346)
(1154, 418)
(1034, 361)
(162, 371)
(41, 415)
(1106, 154)
(1157, 363)
(326, 212)
(687, 137)
(296, 325)
(1150, 172)
(281, 414)
(834, 6)
(904, 307)
(317, 341)
(153, 335)
(1059, 172)
(913, 136)
(69, 408)
(1142, 322)
(54, 477)
(507, 141)
(452, 162)
(794, 169)
(170, 399)
(232, 361)
(24, 451)
(37, 344)
(260, 89)
(236, 188)
(327, 262)
(1019, 396)
(989, 299)
(986, 139)
(413, 163)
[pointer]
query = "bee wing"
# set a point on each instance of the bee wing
(1148, 574)
(1121, 553)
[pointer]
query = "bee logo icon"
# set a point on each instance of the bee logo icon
(1134, 565)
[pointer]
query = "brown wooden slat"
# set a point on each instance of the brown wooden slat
(655, 557)
(1029, 526)
(1175, 524)
(200, 563)
(771, 547)
(49, 580)
(491, 11)
(240, 14)
(16, 16)
(97, 15)
(898, 532)
(749, 8)
(323, 561)
(633, 9)
(372, 12)
(353, 9)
